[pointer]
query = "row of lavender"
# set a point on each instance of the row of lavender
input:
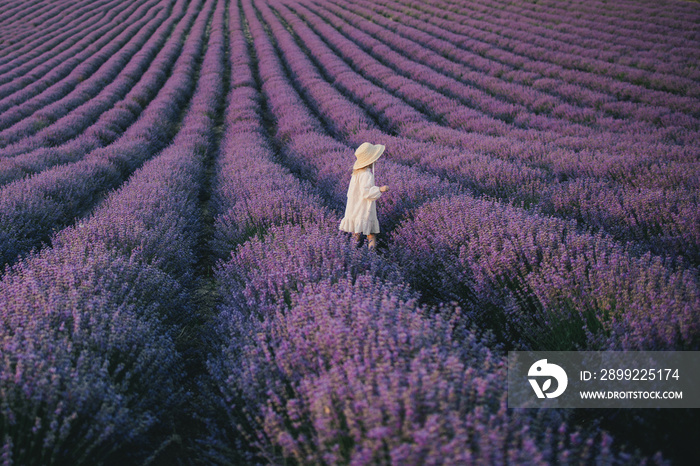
(667, 52)
(94, 362)
(84, 123)
(667, 92)
(613, 31)
(635, 15)
(72, 94)
(592, 52)
(32, 208)
(471, 59)
(540, 151)
(537, 154)
(33, 53)
(61, 33)
(321, 353)
(492, 86)
(668, 225)
(14, 32)
(31, 8)
(601, 140)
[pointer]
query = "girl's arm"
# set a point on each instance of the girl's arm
(369, 190)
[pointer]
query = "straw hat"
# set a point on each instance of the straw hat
(367, 154)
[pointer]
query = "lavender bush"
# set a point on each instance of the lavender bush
(350, 371)
(553, 286)
(89, 367)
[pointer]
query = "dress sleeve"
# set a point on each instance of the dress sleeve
(369, 190)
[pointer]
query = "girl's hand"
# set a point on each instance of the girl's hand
(384, 188)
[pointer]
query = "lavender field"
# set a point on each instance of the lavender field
(175, 288)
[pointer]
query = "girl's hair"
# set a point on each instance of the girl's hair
(353, 171)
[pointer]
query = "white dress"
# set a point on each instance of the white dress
(360, 210)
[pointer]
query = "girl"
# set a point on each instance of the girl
(360, 210)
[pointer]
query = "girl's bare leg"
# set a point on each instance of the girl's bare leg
(356, 237)
(372, 241)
